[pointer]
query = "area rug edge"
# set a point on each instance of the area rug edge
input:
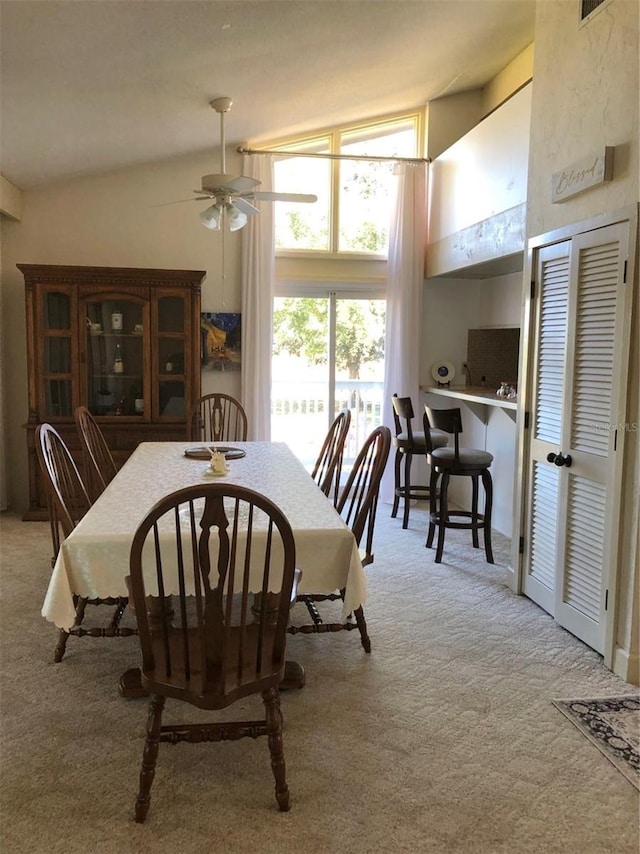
(627, 771)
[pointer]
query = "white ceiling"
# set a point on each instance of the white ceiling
(89, 86)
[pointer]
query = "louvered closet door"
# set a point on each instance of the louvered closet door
(580, 384)
(593, 434)
(549, 391)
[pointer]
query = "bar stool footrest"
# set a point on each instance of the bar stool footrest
(466, 514)
(416, 492)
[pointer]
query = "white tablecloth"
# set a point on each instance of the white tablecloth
(94, 560)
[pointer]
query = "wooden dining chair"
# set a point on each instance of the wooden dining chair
(217, 418)
(227, 555)
(67, 502)
(99, 467)
(357, 505)
(328, 467)
(67, 497)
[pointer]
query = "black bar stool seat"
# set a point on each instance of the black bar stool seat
(457, 462)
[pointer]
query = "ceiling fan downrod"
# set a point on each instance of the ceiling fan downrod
(222, 106)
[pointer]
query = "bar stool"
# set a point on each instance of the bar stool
(407, 444)
(457, 461)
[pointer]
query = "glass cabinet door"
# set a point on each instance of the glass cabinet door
(114, 356)
(171, 328)
(57, 362)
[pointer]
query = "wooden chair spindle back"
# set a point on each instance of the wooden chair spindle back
(359, 499)
(100, 468)
(224, 556)
(328, 466)
(218, 418)
(67, 496)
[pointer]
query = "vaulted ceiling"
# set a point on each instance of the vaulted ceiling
(97, 85)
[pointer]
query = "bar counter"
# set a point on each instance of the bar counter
(473, 394)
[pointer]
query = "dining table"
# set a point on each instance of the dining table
(93, 561)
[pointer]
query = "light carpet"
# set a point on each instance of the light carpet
(444, 739)
(613, 725)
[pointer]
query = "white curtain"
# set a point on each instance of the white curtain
(405, 282)
(258, 275)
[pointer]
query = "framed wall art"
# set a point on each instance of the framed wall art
(221, 340)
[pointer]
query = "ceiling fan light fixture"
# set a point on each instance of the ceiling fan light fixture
(212, 217)
(235, 218)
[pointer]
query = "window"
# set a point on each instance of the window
(330, 306)
(304, 226)
(354, 196)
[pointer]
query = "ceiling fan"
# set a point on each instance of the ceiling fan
(234, 194)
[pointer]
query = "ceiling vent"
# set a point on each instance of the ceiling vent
(588, 7)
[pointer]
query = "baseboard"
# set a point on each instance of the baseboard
(626, 665)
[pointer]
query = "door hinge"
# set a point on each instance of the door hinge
(606, 599)
(521, 545)
(615, 440)
(624, 274)
(526, 421)
(533, 288)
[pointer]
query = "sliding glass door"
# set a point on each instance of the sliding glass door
(328, 354)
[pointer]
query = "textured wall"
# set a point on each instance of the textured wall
(585, 96)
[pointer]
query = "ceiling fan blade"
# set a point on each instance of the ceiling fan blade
(244, 206)
(216, 183)
(242, 184)
(180, 201)
(283, 197)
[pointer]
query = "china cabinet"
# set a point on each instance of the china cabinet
(124, 342)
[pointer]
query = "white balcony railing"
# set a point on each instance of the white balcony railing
(301, 415)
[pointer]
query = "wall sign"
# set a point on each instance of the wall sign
(586, 173)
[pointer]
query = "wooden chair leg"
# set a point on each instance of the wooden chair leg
(61, 646)
(63, 636)
(149, 756)
(442, 516)
(119, 611)
(362, 628)
(474, 511)
(396, 487)
(408, 459)
(271, 700)
(487, 482)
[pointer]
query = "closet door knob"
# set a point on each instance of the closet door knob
(559, 460)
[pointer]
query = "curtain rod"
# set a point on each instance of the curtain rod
(241, 150)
